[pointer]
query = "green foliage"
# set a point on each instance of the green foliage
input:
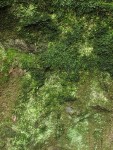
(70, 70)
(5, 3)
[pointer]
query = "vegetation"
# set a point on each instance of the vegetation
(56, 75)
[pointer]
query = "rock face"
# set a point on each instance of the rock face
(53, 148)
(69, 110)
(16, 72)
(9, 93)
(18, 44)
